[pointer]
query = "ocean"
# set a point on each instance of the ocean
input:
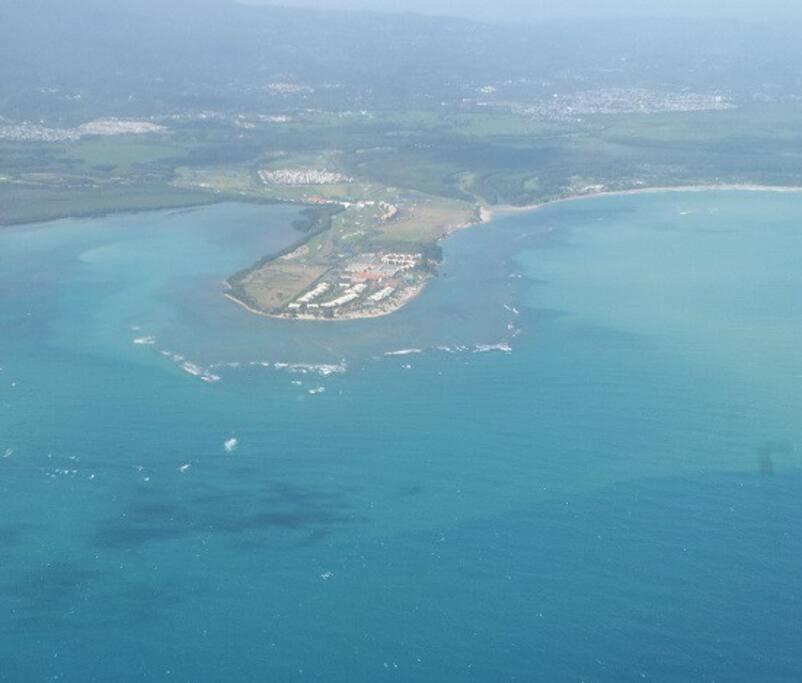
(575, 457)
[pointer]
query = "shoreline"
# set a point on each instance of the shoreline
(487, 214)
(490, 213)
(384, 309)
(26, 223)
(391, 307)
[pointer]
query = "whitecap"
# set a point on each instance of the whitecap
(145, 341)
(484, 348)
(322, 369)
(192, 369)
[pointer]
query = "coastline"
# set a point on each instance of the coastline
(383, 309)
(25, 223)
(486, 214)
(489, 213)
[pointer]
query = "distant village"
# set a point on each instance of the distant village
(35, 132)
(302, 176)
(569, 106)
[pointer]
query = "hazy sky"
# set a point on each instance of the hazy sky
(533, 10)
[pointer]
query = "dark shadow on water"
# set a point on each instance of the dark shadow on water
(51, 586)
(73, 602)
(121, 535)
(283, 512)
(769, 452)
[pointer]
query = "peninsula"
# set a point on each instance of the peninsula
(347, 269)
(364, 251)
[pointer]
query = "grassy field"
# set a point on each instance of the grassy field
(274, 286)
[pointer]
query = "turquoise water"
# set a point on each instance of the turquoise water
(616, 498)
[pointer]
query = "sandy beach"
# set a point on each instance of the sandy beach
(488, 213)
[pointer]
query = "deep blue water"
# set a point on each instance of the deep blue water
(619, 498)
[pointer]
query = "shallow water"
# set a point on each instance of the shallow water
(618, 498)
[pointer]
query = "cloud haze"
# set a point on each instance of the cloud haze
(535, 10)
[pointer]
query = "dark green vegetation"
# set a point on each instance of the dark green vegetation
(24, 203)
(466, 155)
(315, 219)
